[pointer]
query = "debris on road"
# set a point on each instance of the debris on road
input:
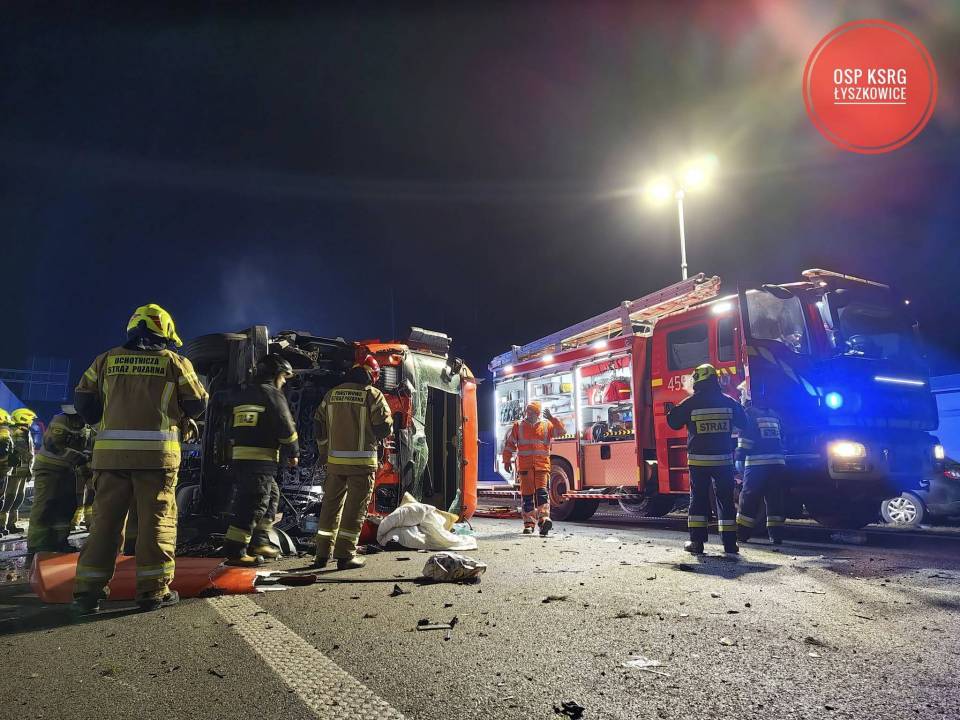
(571, 708)
(426, 624)
(714, 594)
(453, 567)
(554, 598)
(812, 592)
(646, 664)
(810, 640)
(397, 590)
(369, 615)
(214, 672)
(814, 655)
(727, 641)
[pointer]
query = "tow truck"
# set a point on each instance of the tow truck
(836, 355)
(432, 453)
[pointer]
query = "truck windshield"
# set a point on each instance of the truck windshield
(778, 319)
(870, 325)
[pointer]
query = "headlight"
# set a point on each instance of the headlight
(833, 400)
(938, 453)
(847, 449)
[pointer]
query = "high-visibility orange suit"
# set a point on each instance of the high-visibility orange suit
(530, 440)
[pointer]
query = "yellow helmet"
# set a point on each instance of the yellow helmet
(5, 418)
(704, 372)
(23, 416)
(157, 320)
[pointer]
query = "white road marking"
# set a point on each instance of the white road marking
(323, 686)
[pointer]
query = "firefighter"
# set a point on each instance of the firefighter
(136, 455)
(530, 439)
(7, 456)
(22, 469)
(710, 417)
(263, 433)
(350, 422)
(760, 451)
(55, 471)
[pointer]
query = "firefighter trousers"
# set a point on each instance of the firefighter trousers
(13, 498)
(54, 502)
(762, 483)
(534, 496)
(153, 492)
(698, 516)
(254, 509)
(344, 508)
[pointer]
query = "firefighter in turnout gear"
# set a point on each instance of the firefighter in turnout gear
(22, 469)
(530, 440)
(139, 394)
(349, 424)
(760, 450)
(263, 433)
(710, 418)
(7, 456)
(55, 471)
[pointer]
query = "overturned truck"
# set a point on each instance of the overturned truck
(432, 453)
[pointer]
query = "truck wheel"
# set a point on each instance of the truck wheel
(561, 481)
(905, 510)
(843, 514)
(209, 350)
(188, 497)
(649, 506)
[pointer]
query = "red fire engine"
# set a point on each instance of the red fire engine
(835, 355)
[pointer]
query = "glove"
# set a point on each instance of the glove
(547, 414)
(508, 465)
(293, 461)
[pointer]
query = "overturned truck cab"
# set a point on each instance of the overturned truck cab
(432, 453)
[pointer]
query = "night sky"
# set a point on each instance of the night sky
(472, 162)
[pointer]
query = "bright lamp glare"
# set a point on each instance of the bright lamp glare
(548, 358)
(658, 190)
(599, 345)
(698, 174)
(508, 368)
(847, 449)
(721, 308)
(938, 452)
(833, 400)
(898, 380)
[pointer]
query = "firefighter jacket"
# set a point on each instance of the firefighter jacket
(348, 424)
(139, 398)
(761, 442)
(64, 445)
(710, 417)
(531, 442)
(261, 427)
(7, 457)
(23, 449)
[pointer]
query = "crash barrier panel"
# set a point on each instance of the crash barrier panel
(52, 576)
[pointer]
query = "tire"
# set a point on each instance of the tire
(209, 350)
(561, 481)
(843, 514)
(188, 500)
(649, 506)
(905, 510)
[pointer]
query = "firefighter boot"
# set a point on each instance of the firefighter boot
(351, 563)
(528, 529)
(265, 550)
(172, 597)
(236, 554)
(545, 526)
(86, 603)
(694, 546)
(730, 543)
(319, 563)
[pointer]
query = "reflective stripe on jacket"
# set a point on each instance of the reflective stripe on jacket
(710, 418)
(531, 443)
(761, 443)
(141, 392)
(261, 425)
(349, 423)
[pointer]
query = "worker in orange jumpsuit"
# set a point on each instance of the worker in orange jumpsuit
(530, 440)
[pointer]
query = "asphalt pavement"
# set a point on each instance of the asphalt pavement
(618, 620)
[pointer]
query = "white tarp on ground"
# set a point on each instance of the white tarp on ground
(421, 527)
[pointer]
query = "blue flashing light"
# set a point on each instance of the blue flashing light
(833, 400)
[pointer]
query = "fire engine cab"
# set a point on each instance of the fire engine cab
(836, 356)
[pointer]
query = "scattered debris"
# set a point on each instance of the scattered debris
(554, 598)
(814, 655)
(369, 615)
(426, 624)
(571, 708)
(849, 537)
(812, 592)
(453, 567)
(684, 567)
(401, 559)
(214, 672)
(622, 615)
(397, 590)
(714, 594)
(810, 640)
(746, 605)
(612, 539)
(646, 664)
(864, 617)
(727, 641)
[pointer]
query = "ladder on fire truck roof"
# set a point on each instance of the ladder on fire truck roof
(619, 321)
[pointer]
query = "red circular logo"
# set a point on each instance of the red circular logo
(870, 86)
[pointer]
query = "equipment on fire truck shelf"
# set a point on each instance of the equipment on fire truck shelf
(835, 356)
(431, 453)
